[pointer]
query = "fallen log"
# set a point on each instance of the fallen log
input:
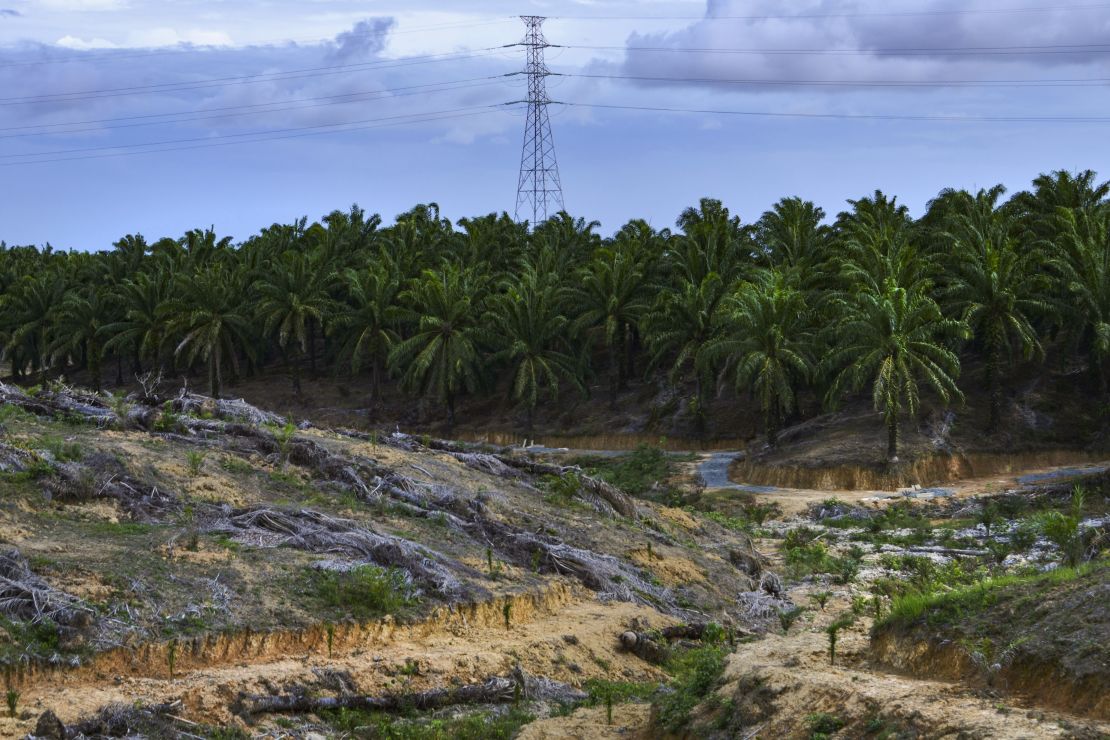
(519, 686)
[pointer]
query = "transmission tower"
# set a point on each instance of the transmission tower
(539, 191)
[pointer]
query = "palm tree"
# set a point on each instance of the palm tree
(369, 323)
(77, 330)
(209, 317)
(894, 339)
(534, 339)
(995, 284)
(30, 308)
(766, 346)
(1082, 267)
(612, 295)
(680, 326)
(792, 237)
(444, 355)
(141, 328)
(293, 297)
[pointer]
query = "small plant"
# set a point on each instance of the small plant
(493, 567)
(787, 617)
(536, 559)
(329, 628)
(283, 437)
(608, 709)
(833, 631)
(714, 634)
(821, 598)
(195, 459)
(988, 515)
(12, 697)
(171, 656)
(507, 612)
(169, 420)
(651, 555)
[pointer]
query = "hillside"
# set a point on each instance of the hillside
(181, 566)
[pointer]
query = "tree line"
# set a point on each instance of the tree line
(872, 301)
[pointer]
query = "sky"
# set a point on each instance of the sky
(159, 116)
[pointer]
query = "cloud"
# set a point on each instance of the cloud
(366, 39)
(862, 44)
(10, 13)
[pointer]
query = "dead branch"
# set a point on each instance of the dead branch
(312, 531)
(26, 597)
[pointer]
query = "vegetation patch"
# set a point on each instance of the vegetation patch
(364, 592)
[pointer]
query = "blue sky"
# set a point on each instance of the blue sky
(80, 75)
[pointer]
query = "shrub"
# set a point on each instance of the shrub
(695, 673)
(822, 725)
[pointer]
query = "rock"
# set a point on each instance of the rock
(49, 727)
(314, 736)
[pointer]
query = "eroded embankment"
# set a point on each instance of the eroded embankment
(927, 471)
(1044, 684)
(153, 660)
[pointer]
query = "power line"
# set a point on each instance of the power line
(275, 135)
(1081, 82)
(908, 51)
(85, 57)
(238, 110)
(217, 82)
(847, 116)
(857, 14)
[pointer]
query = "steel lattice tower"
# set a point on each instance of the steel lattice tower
(539, 191)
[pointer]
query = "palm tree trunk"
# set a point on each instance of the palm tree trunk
(995, 389)
(119, 368)
(312, 345)
(771, 425)
(892, 437)
(375, 380)
(214, 373)
(450, 412)
(614, 373)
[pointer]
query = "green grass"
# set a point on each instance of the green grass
(619, 692)
(364, 592)
(491, 725)
(949, 607)
(643, 472)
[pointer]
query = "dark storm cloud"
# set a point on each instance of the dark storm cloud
(875, 44)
